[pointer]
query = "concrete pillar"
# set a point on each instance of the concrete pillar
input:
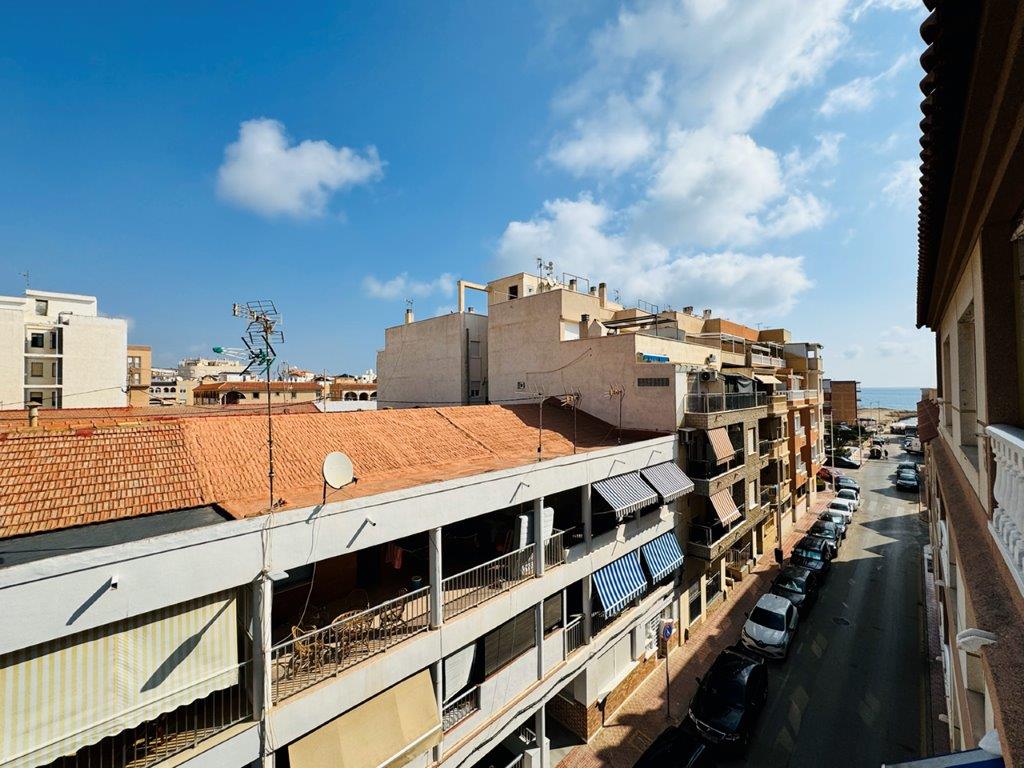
(538, 631)
(262, 691)
(538, 536)
(588, 602)
(703, 595)
(540, 728)
(436, 593)
(587, 515)
(436, 673)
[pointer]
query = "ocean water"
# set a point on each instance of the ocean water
(901, 398)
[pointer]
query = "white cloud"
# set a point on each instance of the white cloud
(892, 5)
(264, 172)
(908, 343)
(797, 165)
(853, 352)
(402, 287)
(860, 93)
(586, 237)
(902, 184)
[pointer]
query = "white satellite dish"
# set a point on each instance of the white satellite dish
(337, 470)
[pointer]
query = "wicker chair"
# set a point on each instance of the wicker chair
(308, 653)
(353, 631)
(392, 619)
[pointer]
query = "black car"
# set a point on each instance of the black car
(847, 482)
(677, 748)
(814, 554)
(912, 466)
(842, 461)
(837, 519)
(906, 480)
(798, 585)
(827, 531)
(729, 698)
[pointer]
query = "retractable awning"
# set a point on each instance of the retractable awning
(668, 480)
(619, 582)
(626, 493)
(721, 445)
(662, 555)
(765, 378)
(725, 507)
(387, 731)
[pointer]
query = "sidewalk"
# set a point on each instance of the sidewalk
(635, 725)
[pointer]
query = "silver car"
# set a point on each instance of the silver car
(770, 627)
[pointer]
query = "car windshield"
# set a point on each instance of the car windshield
(847, 493)
(823, 528)
(809, 554)
(726, 686)
(840, 507)
(767, 618)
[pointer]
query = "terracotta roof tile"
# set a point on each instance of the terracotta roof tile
(57, 478)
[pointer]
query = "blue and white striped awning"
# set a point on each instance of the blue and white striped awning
(668, 480)
(662, 555)
(626, 493)
(619, 582)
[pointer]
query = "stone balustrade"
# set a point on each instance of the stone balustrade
(1007, 526)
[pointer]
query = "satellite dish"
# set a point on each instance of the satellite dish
(337, 469)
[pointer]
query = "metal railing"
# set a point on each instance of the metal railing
(459, 708)
(709, 535)
(164, 736)
(573, 635)
(708, 469)
(470, 588)
(554, 550)
(740, 555)
(301, 662)
(764, 447)
(797, 394)
(714, 402)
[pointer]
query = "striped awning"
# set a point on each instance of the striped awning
(721, 445)
(619, 582)
(725, 507)
(668, 480)
(626, 493)
(765, 378)
(662, 555)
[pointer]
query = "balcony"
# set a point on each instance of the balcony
(764, 447)
(709, 542)
(573, 636)
(710, 476)
(1007, 525)
(716, 409)
(796, 396)
(459, 708)
(778, 404)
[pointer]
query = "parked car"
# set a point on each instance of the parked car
(911, 465)
(729, 698)
(829, 474)
(842, 461)
(847, 482)
(849, 495)
(678, 748)
(798, 585)
(814, 554)
(837, 518)
(826, 530)
(906, 480)
(842, 506)
(770, 627)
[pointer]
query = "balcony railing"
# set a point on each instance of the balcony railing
(459, 708)
(314, 656)
(796, 394)
(715, 402)
(468, 589)
(708, 469)
(764, 447)
(573, 635)
(554, 550)
(800, 432)
(709, 535)
(1007, 526)
(169, 734)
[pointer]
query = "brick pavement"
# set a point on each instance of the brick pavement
(635, 725)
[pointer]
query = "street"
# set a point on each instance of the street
(852, 691)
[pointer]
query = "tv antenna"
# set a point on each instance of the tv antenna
(545, 268)
(619, 392)
(25, 275)
(261, 333)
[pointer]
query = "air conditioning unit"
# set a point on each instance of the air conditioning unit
(706, 376)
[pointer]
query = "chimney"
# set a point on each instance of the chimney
(33, 414)
(602, 292)
(408, 316)
(707, 314)
(687, 310)
(584, 326)
(572, 284)
(593, 290)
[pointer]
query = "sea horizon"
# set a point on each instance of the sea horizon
(899, 398)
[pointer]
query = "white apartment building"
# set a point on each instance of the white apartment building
(198, 368)
(57, 351)
(480, 579)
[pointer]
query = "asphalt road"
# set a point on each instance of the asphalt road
(852, 691)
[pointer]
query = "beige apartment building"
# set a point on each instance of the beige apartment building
(140, 374)
(56, 351)
(199, 368)
(970, 262)
(842, 400)
(745, 404)
(254, 392)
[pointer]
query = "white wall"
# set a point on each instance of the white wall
(12, 357)
(95, 362)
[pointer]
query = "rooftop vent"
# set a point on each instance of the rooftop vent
(707, 314)
(687, 310)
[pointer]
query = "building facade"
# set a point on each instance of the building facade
(167, 388)
(463, 592)
(56, 351)
(253, 391)
(842, 401)
(970, 262)
(199, 368)
(140, 374)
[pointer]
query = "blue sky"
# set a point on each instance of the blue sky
(758, 158)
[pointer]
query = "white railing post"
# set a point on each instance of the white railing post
(1007, 526)
(588, 625)
(538, 537)
(436, 582)
(262, 602)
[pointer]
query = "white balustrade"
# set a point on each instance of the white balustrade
(1007, 526)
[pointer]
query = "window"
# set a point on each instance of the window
(521, 386)
(570, 330)
(42, 307)
(651, 633)
(474, 389)
(255, 395)
(474, 349)
(53, 370)
(53, 340)
(35, 397)
(552, 613)
(37, 341)
(294, 395)
(509, 641)
(652, 382)
(36, 370)
(513, 291)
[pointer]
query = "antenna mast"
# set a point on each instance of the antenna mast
(261, 334)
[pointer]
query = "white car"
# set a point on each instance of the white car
(842, 506)
(770, 627)
(850, 495)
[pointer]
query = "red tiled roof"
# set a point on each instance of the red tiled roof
(61, 418)
(254, 386)
(60, 478)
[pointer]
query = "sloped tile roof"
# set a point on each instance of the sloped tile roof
(57, 478)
